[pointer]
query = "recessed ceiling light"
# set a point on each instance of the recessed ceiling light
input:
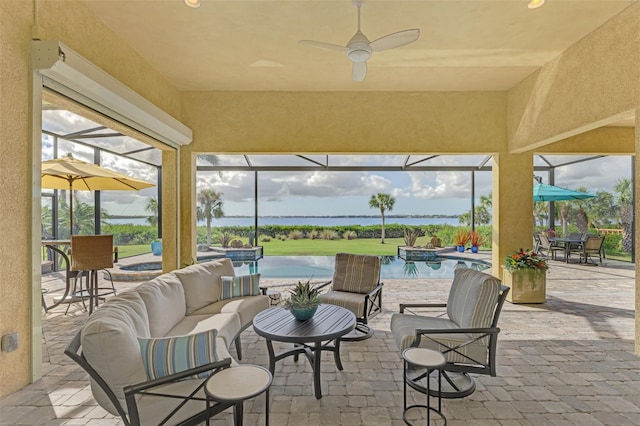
(192, 3)
(533, 4)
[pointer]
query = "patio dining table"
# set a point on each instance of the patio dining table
(567, 243)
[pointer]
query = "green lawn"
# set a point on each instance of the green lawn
(331, 247)
(133, 250)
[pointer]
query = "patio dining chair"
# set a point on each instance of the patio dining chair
(356, 286)
(592, 246)
(547, 248)
(467, 335)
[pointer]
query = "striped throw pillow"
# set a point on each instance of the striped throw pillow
(169, 355)
(245, 285)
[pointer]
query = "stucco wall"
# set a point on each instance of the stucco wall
(76, 27)
(72, 24)
(15, 191)
(594, 80)
(345, 122)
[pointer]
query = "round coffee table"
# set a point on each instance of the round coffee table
(311, 337)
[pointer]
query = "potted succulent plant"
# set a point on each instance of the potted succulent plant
(525, 271)
(303, 301)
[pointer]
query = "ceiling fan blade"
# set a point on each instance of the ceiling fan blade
(393, 40)
(359, 71)
(323, 45)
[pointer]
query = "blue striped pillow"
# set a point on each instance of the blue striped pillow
(245, 285)
(169, 355)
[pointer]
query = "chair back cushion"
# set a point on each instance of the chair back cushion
(356, 273)
(201, 282)
(165, 302)
(473, 298)
(110, 345)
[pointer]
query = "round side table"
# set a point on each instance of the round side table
(431, 360)
(235, 384)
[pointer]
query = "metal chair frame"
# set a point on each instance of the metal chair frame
(130, 416)
(474, 366)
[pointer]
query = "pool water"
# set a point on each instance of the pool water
(322, 267)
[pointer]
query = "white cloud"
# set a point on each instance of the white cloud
(447, 185)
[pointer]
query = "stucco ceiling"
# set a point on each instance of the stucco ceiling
(253, 45)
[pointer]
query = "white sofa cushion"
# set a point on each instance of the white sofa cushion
(228, 326)
(201, 282)
(165, 301)
(109, 342)
(245, 307)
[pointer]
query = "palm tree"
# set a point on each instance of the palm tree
(152, 206)
(540, 212)
(210, 206)
(383, 202)
(625, 204)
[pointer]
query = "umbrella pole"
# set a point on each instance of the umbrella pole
(70, 208)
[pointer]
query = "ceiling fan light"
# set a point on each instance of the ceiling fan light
(192, 3)
(359, 55)
(534, 4)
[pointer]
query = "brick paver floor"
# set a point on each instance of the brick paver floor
(569, 361)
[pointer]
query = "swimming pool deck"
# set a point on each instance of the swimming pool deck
(569, 361)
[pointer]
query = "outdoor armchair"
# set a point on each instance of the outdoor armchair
(176, 399)
(356, 286)
(467, 335)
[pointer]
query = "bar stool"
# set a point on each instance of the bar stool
(89, 254)
(235, 384)
(431, 360)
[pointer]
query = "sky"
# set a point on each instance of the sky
(323, 193)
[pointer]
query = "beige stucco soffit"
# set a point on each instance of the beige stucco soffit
(67, 72)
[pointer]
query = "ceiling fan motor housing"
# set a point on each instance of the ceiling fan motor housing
(358, 49)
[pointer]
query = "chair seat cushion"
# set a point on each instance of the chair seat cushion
(351, 301)
(403, 329)
(245, 307)
(228, 326)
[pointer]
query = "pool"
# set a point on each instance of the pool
(322, 267)
(300, 267)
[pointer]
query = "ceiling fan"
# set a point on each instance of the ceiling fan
(359, 49)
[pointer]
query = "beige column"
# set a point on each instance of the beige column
(512, 206)
(636, 197)
(187, 194)
(170, 201)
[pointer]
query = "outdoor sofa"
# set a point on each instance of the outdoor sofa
(203, 301)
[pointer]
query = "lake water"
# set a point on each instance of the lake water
(307, 220)
(321, 267)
